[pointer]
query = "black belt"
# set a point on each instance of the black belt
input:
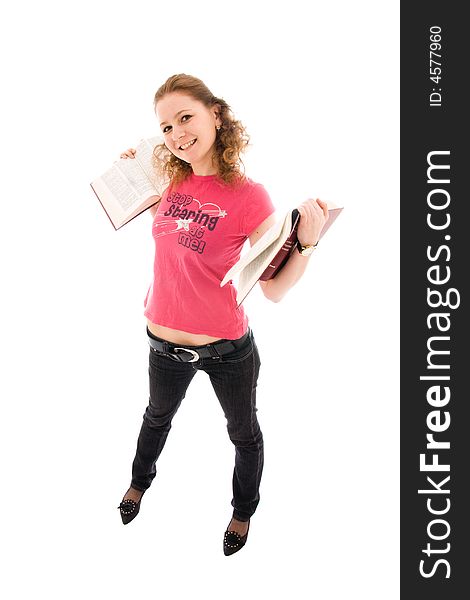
(194, 353)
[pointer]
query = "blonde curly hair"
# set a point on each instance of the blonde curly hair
(231, 139)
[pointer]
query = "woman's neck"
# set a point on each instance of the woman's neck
(204, 171)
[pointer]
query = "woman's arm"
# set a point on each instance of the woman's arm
(313, 216)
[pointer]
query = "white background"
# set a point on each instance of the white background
(316, 84)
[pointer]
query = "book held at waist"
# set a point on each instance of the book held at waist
(271, 252)
(130, 186)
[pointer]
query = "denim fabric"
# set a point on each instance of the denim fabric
(234, 378)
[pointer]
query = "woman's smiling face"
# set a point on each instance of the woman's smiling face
(189, 130)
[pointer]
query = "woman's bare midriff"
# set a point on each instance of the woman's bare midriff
(180, 337)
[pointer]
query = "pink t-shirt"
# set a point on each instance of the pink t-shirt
(199, 231)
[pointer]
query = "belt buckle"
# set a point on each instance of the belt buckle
(193, 352)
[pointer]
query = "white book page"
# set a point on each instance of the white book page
(262, 251)
(123, 190)
(138, 180)
(116, 195)
(144, 157)
(124, 186)
(254, 269)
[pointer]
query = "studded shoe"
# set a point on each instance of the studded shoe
(233, 541)
(129, 509)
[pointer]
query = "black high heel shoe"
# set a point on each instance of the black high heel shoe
(129, 509)
(233, 541)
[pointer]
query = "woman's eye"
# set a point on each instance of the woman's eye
(185, 117)
(165, 129)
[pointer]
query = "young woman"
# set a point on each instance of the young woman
(200, 225)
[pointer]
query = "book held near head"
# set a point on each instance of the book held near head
(130, 187)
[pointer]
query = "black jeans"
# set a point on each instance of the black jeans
(234, 378)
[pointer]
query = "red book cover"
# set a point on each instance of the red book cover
(287, 248)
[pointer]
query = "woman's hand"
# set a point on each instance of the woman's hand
(129, 153)
(313, 216)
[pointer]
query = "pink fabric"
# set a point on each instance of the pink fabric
(199, 231)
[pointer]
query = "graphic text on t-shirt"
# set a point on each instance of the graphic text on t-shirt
(190, 219)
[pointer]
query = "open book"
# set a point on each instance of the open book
(270, 253)
(130, 186)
